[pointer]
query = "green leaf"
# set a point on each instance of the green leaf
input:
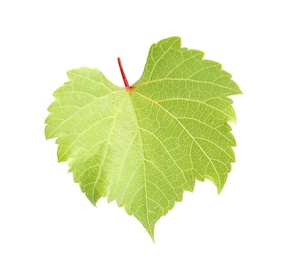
(144, 145)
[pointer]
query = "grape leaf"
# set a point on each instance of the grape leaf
(145, 144)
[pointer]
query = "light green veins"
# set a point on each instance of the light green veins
(144, 147)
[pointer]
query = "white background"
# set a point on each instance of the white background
(44, 215)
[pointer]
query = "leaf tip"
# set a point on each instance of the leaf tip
(152, 235)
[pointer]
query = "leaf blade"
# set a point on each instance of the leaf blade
(144, 147)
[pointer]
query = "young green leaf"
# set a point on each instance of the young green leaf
(145, 144)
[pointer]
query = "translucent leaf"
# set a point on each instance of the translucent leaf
(144, 146)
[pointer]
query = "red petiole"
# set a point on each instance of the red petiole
(123, 75)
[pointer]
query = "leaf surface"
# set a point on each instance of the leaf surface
(144, 147)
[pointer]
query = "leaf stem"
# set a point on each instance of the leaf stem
(123, 75)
